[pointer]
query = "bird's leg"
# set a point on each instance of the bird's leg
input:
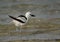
(17, 29)
(21, 29)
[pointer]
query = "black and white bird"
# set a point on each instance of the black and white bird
(21, 19)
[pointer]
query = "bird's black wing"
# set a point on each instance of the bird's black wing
(16, 19)
(23, 16)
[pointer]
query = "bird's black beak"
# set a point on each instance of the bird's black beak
(32, 15)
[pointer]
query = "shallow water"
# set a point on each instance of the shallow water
(30, 37)
(41, 36)
(44, 9)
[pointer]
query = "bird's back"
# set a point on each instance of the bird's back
(17, 23)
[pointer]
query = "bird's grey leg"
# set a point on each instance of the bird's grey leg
(20, 28)
(17, 28)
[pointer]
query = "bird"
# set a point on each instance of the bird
(21, 19)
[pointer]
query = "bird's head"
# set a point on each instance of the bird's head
(28, 14)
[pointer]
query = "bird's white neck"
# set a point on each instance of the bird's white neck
(28, 15)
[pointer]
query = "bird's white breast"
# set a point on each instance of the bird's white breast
(17, 23)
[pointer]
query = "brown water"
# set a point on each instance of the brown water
(44, 9)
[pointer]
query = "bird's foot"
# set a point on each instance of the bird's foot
(17, 29)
